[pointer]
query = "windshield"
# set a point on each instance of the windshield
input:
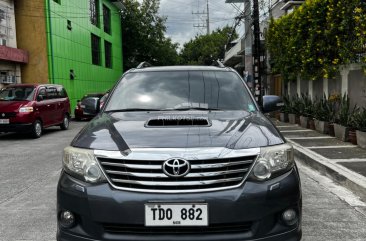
(17, 93)
(181, 90)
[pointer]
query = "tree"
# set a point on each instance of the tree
(203, 49)
(143, 34)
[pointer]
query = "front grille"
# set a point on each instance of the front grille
(216, 228)
(7, 114)
(147, 175)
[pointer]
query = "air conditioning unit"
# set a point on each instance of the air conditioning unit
(8, 79)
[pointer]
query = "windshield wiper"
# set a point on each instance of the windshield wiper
(131, 110)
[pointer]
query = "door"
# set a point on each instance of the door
(43, 107)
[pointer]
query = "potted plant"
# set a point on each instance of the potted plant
(293, 109)
(306, 110)
(341, 127)
(334, 103)
(360, 119)
(322, 114)
(353, 127)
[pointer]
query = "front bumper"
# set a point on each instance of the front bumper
(254, 206)
(16, 127)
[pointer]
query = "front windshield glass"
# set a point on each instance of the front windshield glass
(181, 90)
(17, 93)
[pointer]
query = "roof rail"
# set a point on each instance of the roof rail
(218, 63)
(143, 65)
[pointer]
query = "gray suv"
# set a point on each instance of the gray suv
(180, 153)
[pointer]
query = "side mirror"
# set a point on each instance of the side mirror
(91, 105)
(272, 103)
(39, 97)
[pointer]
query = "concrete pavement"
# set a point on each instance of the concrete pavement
(341, 161)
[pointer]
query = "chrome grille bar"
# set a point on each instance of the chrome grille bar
(172, 184)
(158, 175)
(211, 169)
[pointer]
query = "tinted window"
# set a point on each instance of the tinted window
(42, 92)
(17, 93)
(62, 92)
(171, 90)
(51, 93)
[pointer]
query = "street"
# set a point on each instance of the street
(30, 169)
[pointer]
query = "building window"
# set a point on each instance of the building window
(72, 74)
(95, 44)
(94, 12)
(107, 19)
(108, 54)
(69, 27)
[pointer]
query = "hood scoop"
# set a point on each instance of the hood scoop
(177, 121)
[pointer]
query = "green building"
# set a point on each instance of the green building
(76, 43)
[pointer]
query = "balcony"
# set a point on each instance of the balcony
(290, 4)
(13, 55)
(234, 55)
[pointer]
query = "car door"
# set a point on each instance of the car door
(43, 109)
(52, 104)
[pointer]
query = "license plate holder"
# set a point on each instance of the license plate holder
(176, 214)
(4, 121)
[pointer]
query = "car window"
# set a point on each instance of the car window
(42, 93)
(51, 93)
(17, 93)
(62, 92)
(180, 89)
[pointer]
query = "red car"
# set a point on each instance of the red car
(84, 107)
(32, 107)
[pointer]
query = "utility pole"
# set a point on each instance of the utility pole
(257, 68)
(207, 21)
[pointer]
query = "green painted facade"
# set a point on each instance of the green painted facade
(71, 49)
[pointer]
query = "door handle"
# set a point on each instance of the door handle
(48, 105)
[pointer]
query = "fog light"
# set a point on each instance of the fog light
(67, 219)
(289, 217)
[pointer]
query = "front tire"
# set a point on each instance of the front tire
(65, 122)
(37, 129)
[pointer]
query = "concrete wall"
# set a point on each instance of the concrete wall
(357, 87)
(31, 36)
(335, 85)
(317, 89)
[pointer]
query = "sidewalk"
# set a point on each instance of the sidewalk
(341, 161)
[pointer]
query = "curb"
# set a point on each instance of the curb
(339, 174)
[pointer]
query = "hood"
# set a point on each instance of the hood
(11, 106)
(230, 129)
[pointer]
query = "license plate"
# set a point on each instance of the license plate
(193, 214)
(4, 121)
(82, 106)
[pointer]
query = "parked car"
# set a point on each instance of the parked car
(103, 100)
(180, 153)
(30, 108)
(84, 107)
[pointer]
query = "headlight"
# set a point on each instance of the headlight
(82, 164)
(25, 109)
(273, 161)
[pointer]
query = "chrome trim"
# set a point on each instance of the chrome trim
(172, 184)
(158, 175)
(159, 154)
(135, 166)
(218, 165)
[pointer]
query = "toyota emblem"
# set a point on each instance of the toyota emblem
(3, 114)
(176, 167)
